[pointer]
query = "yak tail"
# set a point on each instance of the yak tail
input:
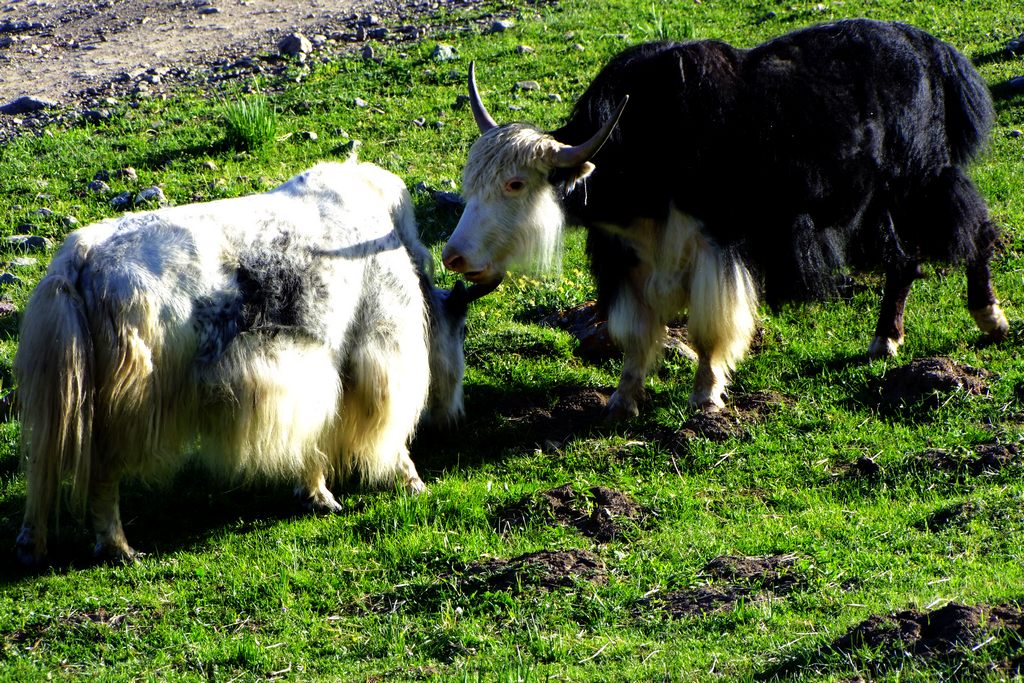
(969, 109)
(54, 370)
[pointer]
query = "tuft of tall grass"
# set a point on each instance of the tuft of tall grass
(250, 123)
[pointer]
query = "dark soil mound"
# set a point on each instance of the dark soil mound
(740, 413)
(734, 578)
(547, 423)
(604, 515)
(927, 382)
(936, 632)
(986, 459)
(544, 569)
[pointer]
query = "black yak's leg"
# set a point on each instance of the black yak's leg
(889, 330)
(104, 504)
(640, 333)
(981, 297)
(723, 319)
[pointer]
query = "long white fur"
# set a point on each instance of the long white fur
(680, 269)
(497, 231)
(107, 375)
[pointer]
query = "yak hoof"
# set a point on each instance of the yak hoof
(706, 403)
(415, 486)
(113, 554)
(26, 552)
(992, 321)
(884, 347)
(318, 503)
(620, 408)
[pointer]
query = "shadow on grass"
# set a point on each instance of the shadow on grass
(185, 513)
(181, 515)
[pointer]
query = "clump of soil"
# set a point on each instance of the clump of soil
(927, 382)
(604, 515)
(953, 515)
(734, 578)
(589, 327)
(544, 569)
(986, 459)
(575, 410)
(930, 633)
(732, 422)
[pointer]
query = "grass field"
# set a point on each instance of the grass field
(792, 539)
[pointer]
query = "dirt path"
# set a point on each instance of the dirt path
(67, 50)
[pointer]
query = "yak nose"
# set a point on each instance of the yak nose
(453, 260)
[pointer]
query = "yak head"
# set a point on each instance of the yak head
(513, 215)
(447, 312)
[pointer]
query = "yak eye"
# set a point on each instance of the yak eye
(515, 185)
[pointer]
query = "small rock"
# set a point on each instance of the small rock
(8, 279)
(151, 194)
(371, 20)
(26, 105)
(528, 85)
(377, 33)
(554, 97)
(96, 115)
(524, 50)
(438, 124)
(99, 187)
(44, 212)
(367, 52)
(294, 44)
(27, 244)
(24, 261)
(209, 165)
(309, 135)
(209, 10)
(360, 102)
(443, 53)
(420, 122)
(69, 221)
(501, 25)
(1015, 133)
(121, 200)
(127, 173)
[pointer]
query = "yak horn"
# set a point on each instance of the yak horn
(571, 157)
(483, 119)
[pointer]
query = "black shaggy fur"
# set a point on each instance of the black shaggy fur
(838, 145)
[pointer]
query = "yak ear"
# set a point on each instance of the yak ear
(569, 178)
(578, 175)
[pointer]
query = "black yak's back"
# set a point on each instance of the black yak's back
(796, 152)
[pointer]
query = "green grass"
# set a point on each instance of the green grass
(237, 586)
(250, 122)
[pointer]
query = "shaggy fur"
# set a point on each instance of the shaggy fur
(291, 335)
(841, 145)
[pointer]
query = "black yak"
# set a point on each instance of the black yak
(733, 173)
